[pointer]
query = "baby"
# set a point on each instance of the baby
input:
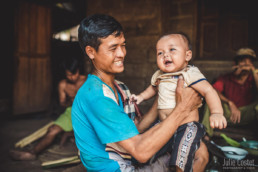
(173, 55)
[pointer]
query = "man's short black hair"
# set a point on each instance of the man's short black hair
(95, 27)
(240, 58)
(71, 64)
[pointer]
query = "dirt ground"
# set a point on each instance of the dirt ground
(11, 131)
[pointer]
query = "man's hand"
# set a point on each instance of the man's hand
(240, 68)
(235, 113)
(218, 121)
(188, 98)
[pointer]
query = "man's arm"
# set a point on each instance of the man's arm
(61, 92)
(143, 146)
(148, 118)
(255, 74)
(235, 112)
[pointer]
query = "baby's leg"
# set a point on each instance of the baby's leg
(187, 141)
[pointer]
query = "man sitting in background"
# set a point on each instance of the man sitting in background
(238, 92)
(67, 90)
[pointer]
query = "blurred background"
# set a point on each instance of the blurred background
(38, 34)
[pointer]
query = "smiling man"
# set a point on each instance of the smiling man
(108, 138)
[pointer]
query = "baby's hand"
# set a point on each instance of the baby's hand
(218, 121)
(137, 98)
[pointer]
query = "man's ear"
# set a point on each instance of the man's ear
(90, 51)
(188, 55)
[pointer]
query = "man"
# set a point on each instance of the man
(106, 137)
(67, 89)
(238, 92)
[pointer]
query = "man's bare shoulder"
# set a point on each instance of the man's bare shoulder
(83, 77)
(62, 84)
(80, 81)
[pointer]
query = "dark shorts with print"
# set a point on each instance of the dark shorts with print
(183, 145)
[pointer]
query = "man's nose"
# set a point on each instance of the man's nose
(121, 52)
(244, 63)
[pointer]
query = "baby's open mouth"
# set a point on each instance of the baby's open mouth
(168, 62)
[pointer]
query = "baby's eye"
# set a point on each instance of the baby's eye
(160, 53)
(172, 49)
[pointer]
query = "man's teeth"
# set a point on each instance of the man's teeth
(119, 63)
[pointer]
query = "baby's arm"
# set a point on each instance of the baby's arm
(146, 94)
(217, 119)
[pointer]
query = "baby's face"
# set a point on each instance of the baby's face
(172, 53)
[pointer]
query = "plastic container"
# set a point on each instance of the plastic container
(214, 165)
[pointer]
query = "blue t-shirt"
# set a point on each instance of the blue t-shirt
(98, 119)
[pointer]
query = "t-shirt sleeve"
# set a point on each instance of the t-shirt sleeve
(155, 77)
(109, 121)
(219, 85)
(193, 76)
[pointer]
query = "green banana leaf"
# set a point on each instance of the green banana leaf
(230, 141)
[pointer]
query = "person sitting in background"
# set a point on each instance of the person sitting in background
(67, 90)
(237, 91)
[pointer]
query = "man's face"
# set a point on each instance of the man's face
(245, 66)
(110, 55)
(172, 53)
(245, 62)
(72, 77)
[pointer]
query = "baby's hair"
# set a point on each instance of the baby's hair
(183, 35)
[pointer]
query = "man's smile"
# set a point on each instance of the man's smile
(119, 63)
